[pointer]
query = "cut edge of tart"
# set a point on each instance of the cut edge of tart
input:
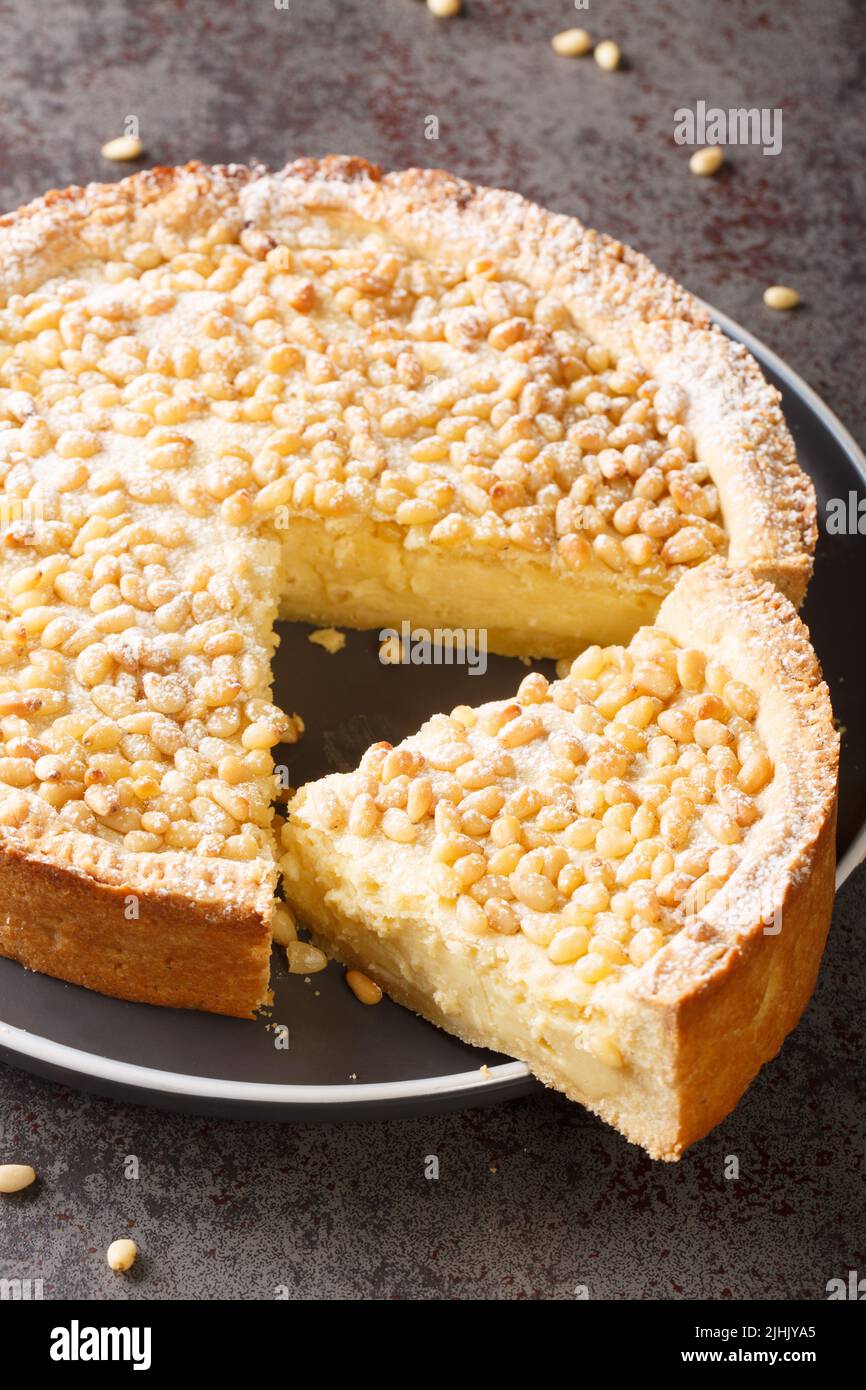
(167, 928)
(652, 992)
(180, 382)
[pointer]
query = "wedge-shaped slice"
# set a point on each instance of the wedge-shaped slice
(623, 878)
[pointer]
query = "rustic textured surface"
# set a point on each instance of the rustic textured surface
(535, 1199)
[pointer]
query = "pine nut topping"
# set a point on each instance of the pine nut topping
(470, 916)
(397, 825)
(605, 820)
(501, 916)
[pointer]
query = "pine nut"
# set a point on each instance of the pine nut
(691, 665)
(448, 848)
(592, 967)
(397, 826)
(614, 843)
(644, 945)
(470, 916)
(469, 869)
(707, 161)
(568, 945)
(364, 816)
(575, 551)
(781, 297)
(534, 891)
(571, 43)
(283, 926)
(742, 699)
(686, 546)
(608, 55)
(260, 734)
(722, 826)
(14, 1177)
(755, 773)
(121, 1255)
(501, 916)
(122, 148)
(520, 731)
(305, 959)
(365, 990)
(709, 733)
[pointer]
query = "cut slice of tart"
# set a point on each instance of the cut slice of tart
(623, 878)
(351, 398)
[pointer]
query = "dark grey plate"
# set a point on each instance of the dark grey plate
(344, 1060)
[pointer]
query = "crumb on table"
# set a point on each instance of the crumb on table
(328, 637)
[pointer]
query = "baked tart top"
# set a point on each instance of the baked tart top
(639, 811)
(193, 357)
(623, 877)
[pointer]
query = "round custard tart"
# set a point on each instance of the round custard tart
(623, 878)
(227, 396)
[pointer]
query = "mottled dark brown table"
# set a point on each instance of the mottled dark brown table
(536, 1198)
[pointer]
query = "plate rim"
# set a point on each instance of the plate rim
(132, 1074)
(501, 1075)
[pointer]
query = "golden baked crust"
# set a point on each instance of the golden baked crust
(659, 1039)
(626, 319)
